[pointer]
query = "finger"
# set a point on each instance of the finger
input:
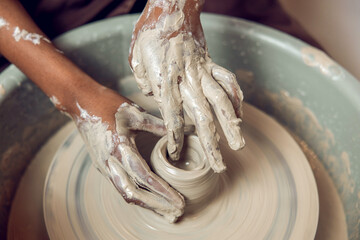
(139, 71)
(227, 81)
(172, 111)
(130, 116)
(224, 111)
(139, 171)
(133, 194)
(164, 71)
(143, 85)
(134, 118)
(199, 111)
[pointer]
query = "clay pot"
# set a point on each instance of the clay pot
(191, 175)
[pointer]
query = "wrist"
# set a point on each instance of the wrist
(95, 99)
(71, 89)
(157, 10)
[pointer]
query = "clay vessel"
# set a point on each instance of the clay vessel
(191, 175)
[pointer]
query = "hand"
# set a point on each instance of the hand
(170, 60)
(93, 107)
(109, 127)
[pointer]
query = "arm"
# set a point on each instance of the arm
(25, 45)
(170, 60)
(106, 120)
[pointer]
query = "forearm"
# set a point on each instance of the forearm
(25, 45)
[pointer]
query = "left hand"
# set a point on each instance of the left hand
(109, 124)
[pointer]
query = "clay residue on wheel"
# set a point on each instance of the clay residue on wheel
(313, 57)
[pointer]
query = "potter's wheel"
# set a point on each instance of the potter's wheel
(268, 192)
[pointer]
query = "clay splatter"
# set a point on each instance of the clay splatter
(3, 23)
(25, 35)
(54, 100)
(316, 58)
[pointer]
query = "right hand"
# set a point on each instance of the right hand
(170, 60)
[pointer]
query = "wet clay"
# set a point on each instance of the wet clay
(314, 57)
(192, 175)
(26, 217)
(26, 214)
(171, 62)
(268, 191)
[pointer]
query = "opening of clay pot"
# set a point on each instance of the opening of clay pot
(191, 175)
(192, 157)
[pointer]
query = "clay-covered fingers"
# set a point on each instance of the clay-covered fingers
(172, 112)
(144, 85)
(137, 184)
(167, 95)
(199, 111)
(138, 68)
(224, 111)
(132, 117)
(171, 105)
(228, 82)
(133, 177)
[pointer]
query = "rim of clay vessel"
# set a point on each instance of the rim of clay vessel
(194, 167)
